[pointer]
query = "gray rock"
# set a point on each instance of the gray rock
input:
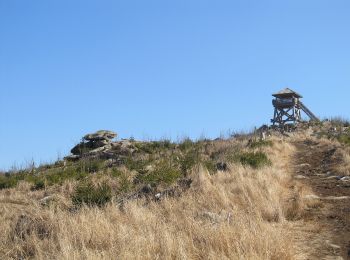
(93, 143)
(221, 166)
(81, 148)
(72, 157)
(301, 177)
(158, 196)
(100, 135)
(99, 150)
(124, 147)
(345, 178)
(146, 189)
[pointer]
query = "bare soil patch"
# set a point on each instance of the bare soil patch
(315, 165)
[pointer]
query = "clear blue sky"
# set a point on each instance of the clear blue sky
(153, 69)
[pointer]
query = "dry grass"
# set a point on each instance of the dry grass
(241, 214)
(344, 167)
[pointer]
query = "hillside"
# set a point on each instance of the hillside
(245, 197)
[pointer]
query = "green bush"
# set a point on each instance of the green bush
(340, 121)
(90, 166)
(91, 195)
(252, 159)
(47, 177)
(260, 143)
(152, 147)
(137, 165)
(39, 184)
(210, 165)
(116, 173)
(186, 144)
(162, 174)
(188, 161)
(344, 138)
(124, 184)
(7, 182)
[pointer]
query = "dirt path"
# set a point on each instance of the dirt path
(314, 168)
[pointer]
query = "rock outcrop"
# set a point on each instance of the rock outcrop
(93, 144)
(102, 135)
(100, 144)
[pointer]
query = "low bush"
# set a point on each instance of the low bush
(186, 144)
(91, 195)
(7, 182)
(90, 166)
(260, 143)
(188, 161)
(125, 185)
(162, 174)
(136, 165)
(39, 184)
(210, 166)
(340, 121)
(152, 147)
(344, 138)
(253, 159)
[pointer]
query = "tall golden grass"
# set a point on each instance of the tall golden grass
(240, 214)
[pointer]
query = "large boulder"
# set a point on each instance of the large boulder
(124, 147)
(101, 136)
(81, 148)
(93, 143)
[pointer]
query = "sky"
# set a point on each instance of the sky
(161, 69)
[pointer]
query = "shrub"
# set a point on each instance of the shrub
(260, 143)
(90, 166)
(137, 165)
(115, 173)
(344, 138)
(186, 144)
(152, 147)
(340, 121)
(210, 165)
(124, 184)
(39, 184)
(91, 195)
(162, 174)
(7, 182)
(189, 161)
(252, 159)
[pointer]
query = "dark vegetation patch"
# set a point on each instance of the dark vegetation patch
(153, 147)
(344, 138)
(164, 173)
(253, 159)
(157, 164)
(92, 195)
(260, 143)
(340, 122)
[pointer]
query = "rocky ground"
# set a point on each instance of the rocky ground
(316, 168)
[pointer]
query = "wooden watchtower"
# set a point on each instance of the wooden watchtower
(288, 108)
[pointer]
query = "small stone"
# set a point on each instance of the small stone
(158, 196)
(221, 166)
(72, 158)
(147, 189)
(299, 177)
(334, 246)
(311, 196)
(345, 178)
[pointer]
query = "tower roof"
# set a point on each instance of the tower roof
(284, 93)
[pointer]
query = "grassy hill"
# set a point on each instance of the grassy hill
(219, 199)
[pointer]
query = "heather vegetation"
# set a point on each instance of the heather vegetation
(155, 163)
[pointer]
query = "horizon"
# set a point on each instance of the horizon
(162, 70)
